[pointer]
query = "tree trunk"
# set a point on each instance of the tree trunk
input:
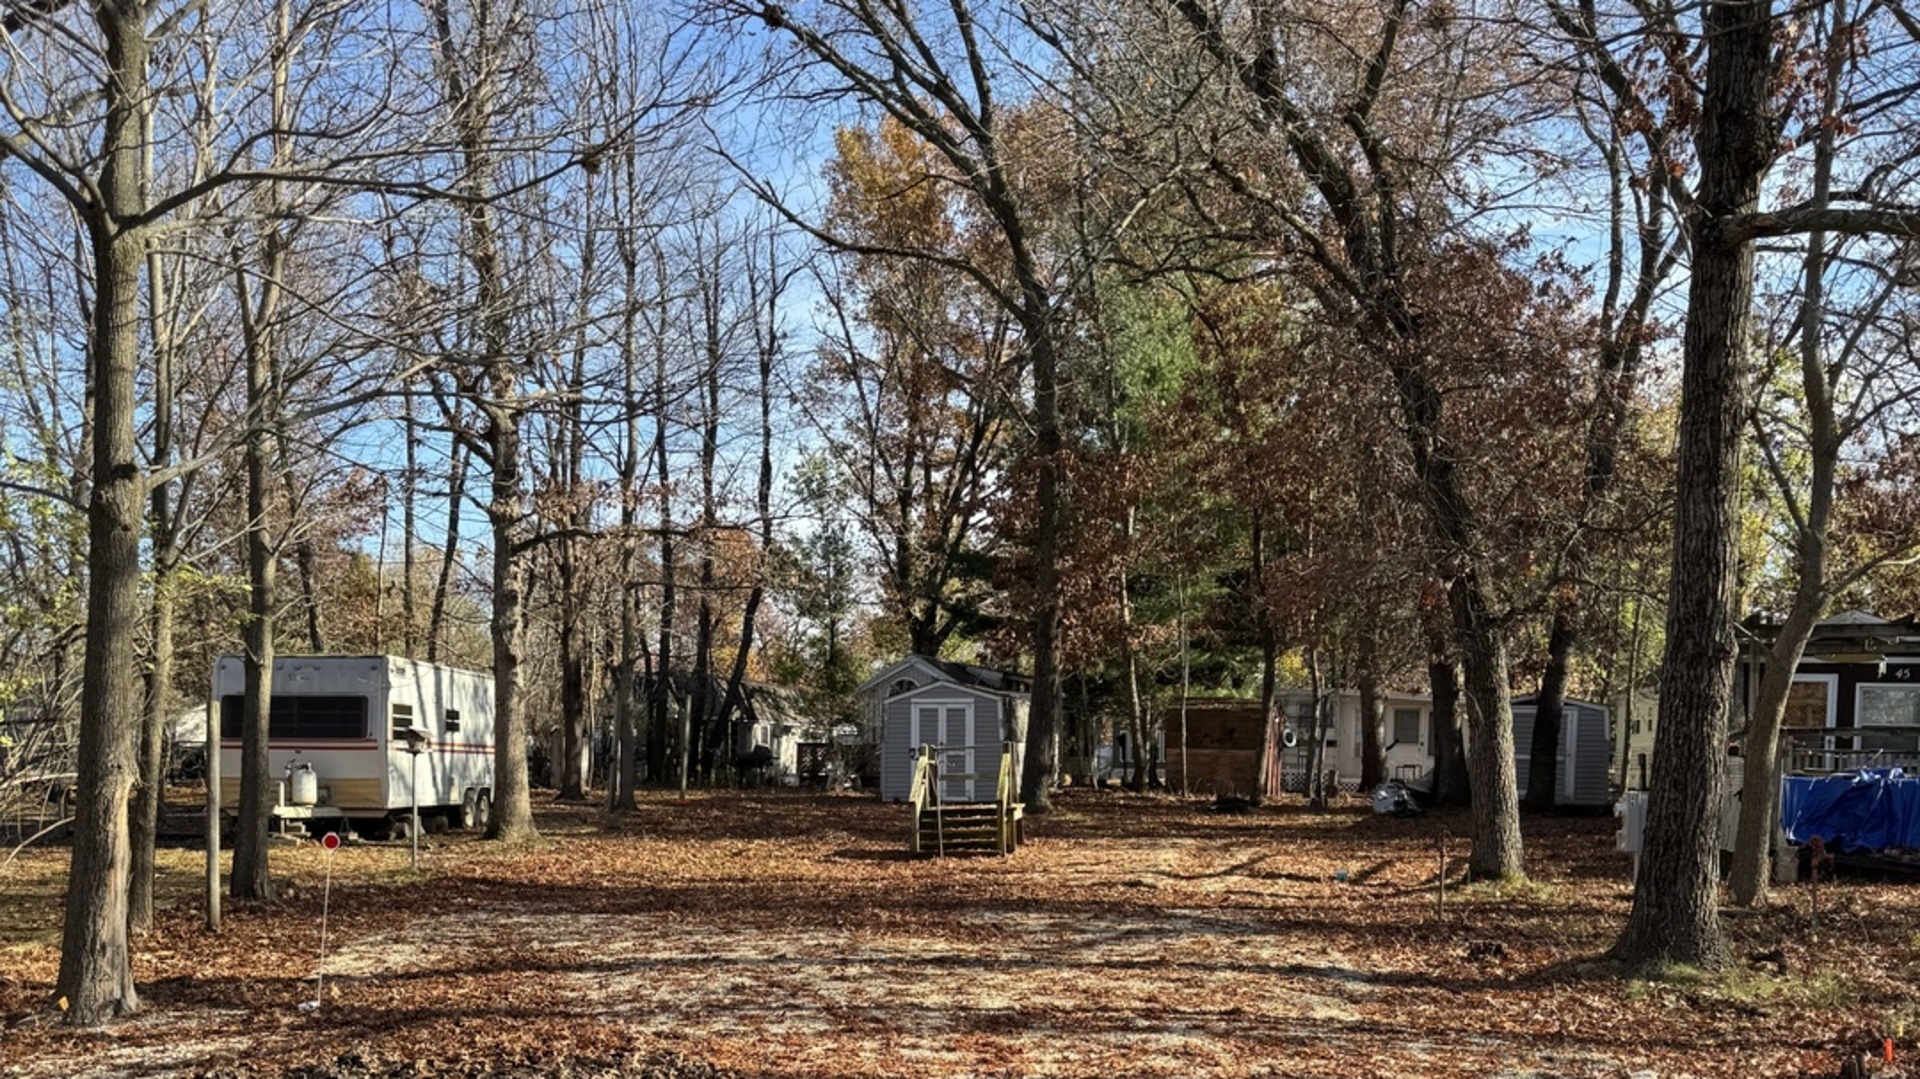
(1142, 725)
(303, 560)
(1264, 776)
(1130, 662)
(924, 636)
(409, 512)
(623, 776)
(575, 706)
(669, 568)
(260, 334)
(165, 538)
(1496, 803)
(620, 772)
(1042, 765)
(149, 794)
(1760, 755)
(662, 719)
(1633, 694)
(1373, 732)
(573, 692)
(1674, 917)
(450, 554)
(575, 718)
(96, 970)
(1760, 778)
(1451, 786)
(685, 740)
(703, 672)
(1478, 634)
(251, 879)
(1543, 764)
(1316, 755)
(512, 818)
(767, 347)
(493, 384)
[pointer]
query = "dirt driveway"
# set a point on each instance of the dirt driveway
(791, 935)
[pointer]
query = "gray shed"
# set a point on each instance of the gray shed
(1586, 751)
(968, 723)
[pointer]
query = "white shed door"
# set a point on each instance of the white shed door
(949, 727)
(1569, 754)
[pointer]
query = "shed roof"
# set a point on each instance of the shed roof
(965, 674)
(935, 688)
(1534, 698)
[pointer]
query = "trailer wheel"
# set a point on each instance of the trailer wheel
(377, 829)
(470, 811)
(482, 810)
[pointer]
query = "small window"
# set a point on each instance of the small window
(1889, 705)
(900, 686)
(300, 717)
(1406, 726)
(402, 716)
(453, 721)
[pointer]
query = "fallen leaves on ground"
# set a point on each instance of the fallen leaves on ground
(767, 934)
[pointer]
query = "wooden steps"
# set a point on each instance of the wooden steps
(963, 828)
(940, 828)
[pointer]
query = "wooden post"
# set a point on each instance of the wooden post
(213, 817)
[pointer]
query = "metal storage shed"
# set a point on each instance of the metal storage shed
(1586, 751)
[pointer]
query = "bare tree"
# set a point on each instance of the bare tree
(1643, 246)
(913, 389)
(1748, 51)
(1840, 430)
(108, 192)
(942, 75)
(1340, 123)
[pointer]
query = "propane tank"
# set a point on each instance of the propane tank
(304, 784)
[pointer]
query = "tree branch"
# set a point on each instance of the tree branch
(1879, 221)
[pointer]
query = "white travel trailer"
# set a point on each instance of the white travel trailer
(339, 739)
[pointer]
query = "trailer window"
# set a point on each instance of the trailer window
(1406, 726)
(1889, 705)
(453, 721)
(301, 717)
(402, 717)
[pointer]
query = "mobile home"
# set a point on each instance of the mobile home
(340, 734)
(1409, 728)
(1585, 757)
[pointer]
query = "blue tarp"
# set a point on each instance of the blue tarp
(1867, 811)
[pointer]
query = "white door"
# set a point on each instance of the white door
(949, 727)
(1408, 756)
(958, 781)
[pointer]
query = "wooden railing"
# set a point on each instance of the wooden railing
(1005, 796)
(999, 819)
(924, 791)
(1816, 759)
(1828, 750)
